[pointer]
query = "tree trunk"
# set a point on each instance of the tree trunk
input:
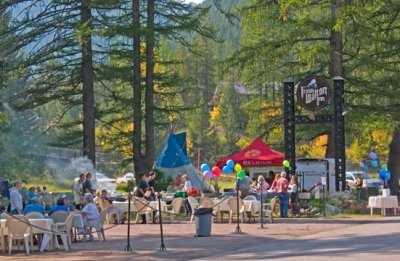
(149, 100)
(137, 93)
(89, 145)
(335, 68)
(394, 162)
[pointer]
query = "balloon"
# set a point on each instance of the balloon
(216, 171)
(382, 173)
(230, 164)
(374, 164)
(204, 167)
(241, 174)
(373, 155)
(286, 164)
(227, 169)
(387, 175)
(364, 161)
(365, 167)
(362, 164)
(238, 167)
(384, 166)
(207, 174)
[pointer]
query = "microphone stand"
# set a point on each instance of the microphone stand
(128, 247)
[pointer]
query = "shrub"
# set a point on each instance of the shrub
(162, 181)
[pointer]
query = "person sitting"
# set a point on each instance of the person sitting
(60, 205)
(39, 192)
(35, 206)
(277, 177)
(31, 194)
(45, 191)
(177, 182)
(107, 204)
(90, 214)
(262, 187)
(150, 196)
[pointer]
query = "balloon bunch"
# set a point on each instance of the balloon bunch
(231, 166)
(384, 173)
(210, 173)
(374, 161)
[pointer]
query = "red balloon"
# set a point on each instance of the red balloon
(216, 171)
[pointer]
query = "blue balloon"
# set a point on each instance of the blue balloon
(382, 173)
(204, 167)
(374, 164)
(365, 167)
(227, 169)
(230, 164)
(388, 175)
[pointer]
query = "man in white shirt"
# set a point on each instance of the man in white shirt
(16, 198)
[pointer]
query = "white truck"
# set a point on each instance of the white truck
(312, 172)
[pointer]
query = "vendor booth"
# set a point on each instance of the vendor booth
(258, 158)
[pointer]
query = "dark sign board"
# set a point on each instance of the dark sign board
(313, 93)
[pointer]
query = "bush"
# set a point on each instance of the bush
(162, 181)
(126, 186)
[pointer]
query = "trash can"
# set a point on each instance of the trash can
(203, 219)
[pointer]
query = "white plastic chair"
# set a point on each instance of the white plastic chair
(111, 212)
(193, 205)
(48, 200)
(250, 197)
(64, 229)
(175, 207)
(141, 204)
(34, 215)
(59, 216)
(232, 203)
(269, 209)
(19, 228)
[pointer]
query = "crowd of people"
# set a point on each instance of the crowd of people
(277, 183)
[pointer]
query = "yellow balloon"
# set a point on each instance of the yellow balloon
(238, 167)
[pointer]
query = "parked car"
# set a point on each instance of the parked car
(102, 179)
(128, 176)
(352, 175)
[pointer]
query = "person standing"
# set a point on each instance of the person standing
(244, 185)
(282, 186)
(25, 197)
(359, 184)
(141, 187)
(16, 198)
(87, 185)
(262, 187)
(151, 180)
(78, 191)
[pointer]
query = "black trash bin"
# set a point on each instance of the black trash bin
(203, 219)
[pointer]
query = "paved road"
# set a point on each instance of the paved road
(366, 238)
(377, 240)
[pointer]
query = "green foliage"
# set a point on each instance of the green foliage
(162, 181)
(126, 187)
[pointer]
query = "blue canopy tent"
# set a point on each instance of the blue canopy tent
(173, 160)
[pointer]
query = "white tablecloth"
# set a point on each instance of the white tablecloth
(39, 226)
(383, 203)
(252, 206)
